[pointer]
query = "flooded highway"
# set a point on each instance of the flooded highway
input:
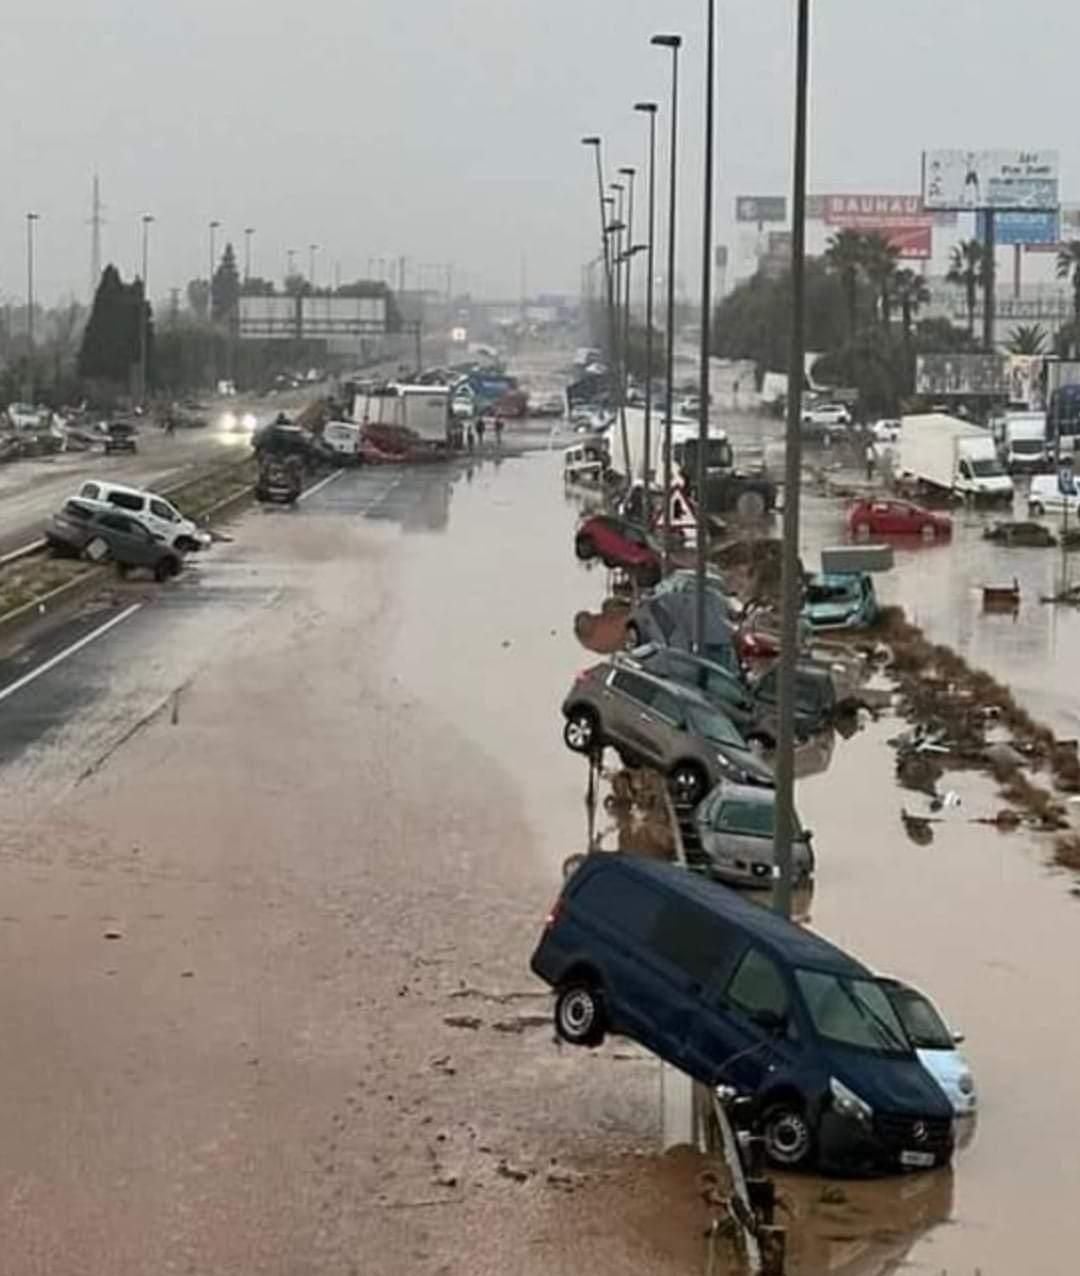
(277, 847)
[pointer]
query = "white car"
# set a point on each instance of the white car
(935, 1044)
(158, 515)
(825, 416)
(343, 437)
(886, 431)
(24, 416)
(1053, 494)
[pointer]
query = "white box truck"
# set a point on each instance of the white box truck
(1023, 442)
(423, 410)
(941, 452)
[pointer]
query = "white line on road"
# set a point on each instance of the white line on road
(60, 656)
(320, 485)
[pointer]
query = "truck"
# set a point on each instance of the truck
(1023, 442)
(941, 453)
(727, 489)
(406, 419)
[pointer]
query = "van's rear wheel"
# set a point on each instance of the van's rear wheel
(579, 1015)
(789, 1140)
(581, 732)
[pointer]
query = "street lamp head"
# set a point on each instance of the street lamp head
(33, 217)
(628, 172)
(147, 219)
(616, 186)
(613, 228)
(590, 141)
(650, 107)
(667, 41)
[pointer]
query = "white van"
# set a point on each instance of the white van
(584, 463)
(158, 515)
(1053, 494)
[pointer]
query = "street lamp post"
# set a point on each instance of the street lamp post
(784, 825)
(594, 143)
(214, 226)
(144, 317)
(31, 218)
(248, 232)
(628, 255)
(312, 250)
(674, 43)
(649, 108)
(706, 328)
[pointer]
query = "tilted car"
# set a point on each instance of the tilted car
(735, 825)
(154, 511)
(720, 684)
(659, 724)
(840, 600)
(103, 534)
(934, 1043)
(619, 543)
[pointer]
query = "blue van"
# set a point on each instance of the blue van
(734, 994)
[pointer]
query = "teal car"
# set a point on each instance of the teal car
(839, 600)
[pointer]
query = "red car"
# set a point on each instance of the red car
(896, 518)
(619, 543)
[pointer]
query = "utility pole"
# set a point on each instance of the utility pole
(248, 232)
(312, 250)
(989, 306)
(401, 274)
(629, 174)
(95, 238)
(31, 218)
(790, 584)
(650, 109)
(144, 317)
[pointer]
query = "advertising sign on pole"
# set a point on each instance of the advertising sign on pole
(761, 208)
(942, 375)
(900, 219)
(990, 179)
(1020, 228)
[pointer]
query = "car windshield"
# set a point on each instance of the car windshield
(832, 591)
(922, 1022)
(985, 467)
(852, 1012)
(714, 727)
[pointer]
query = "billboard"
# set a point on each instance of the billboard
(760, 208)
(990, 179)
(942, 375)
(1020, 228)
(900, 219)
(284, 318)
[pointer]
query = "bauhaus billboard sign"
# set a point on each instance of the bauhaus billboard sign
(900, 219)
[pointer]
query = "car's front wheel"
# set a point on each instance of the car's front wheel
(584, 547)
(789, 1139)
(579, 1014)
(581, 733)
(1036, 510)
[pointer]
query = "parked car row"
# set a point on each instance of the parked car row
(847, 1069)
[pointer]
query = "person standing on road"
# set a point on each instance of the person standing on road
(470, 442)
(871, 457)
(498, 430)
(481, 426)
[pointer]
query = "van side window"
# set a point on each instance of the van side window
(757, 986)
(162, 510)
(639, 689)
(692, 939)
(90, 490)
(668, 706)
(125, 500)
(620, 900)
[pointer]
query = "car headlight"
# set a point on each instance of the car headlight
(848, 1103)
(965, 1083)
(229, 420)
(249, 422)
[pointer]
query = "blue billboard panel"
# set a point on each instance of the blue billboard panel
(1021, 228)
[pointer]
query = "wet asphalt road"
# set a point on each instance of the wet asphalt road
(317, 786)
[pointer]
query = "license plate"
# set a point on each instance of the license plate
(917, 1160)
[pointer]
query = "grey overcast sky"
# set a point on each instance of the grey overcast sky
(448, 130)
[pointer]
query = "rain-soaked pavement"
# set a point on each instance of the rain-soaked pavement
(317, 792)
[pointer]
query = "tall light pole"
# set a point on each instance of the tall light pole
(248, 232)
(649, 108)
(214, 227)
(290, 262)
(144, 317)
(594, 143)
(628, 254)
(617, 245)
(31, 218)
(674, 43)
(312, 250)
(790, 584)
(706, 326)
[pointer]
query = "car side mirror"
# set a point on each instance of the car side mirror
(958, 1038)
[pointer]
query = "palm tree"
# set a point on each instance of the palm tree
(1068, 265)
(879, 262)
(967, 270)
(912, 293)
(1027, 338)
(846, 255)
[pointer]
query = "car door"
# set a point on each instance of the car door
(630, 720)
(129, 541)
(747, 1029)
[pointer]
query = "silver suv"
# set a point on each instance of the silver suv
(658, 724)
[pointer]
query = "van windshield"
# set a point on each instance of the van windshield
(923, 1023)
(985, 467)
(852, 1012)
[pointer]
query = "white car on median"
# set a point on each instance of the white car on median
(826, 417)
(158, 515)
(1053, 494)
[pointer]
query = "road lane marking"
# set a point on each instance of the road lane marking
(61, 656)
(320, 485)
